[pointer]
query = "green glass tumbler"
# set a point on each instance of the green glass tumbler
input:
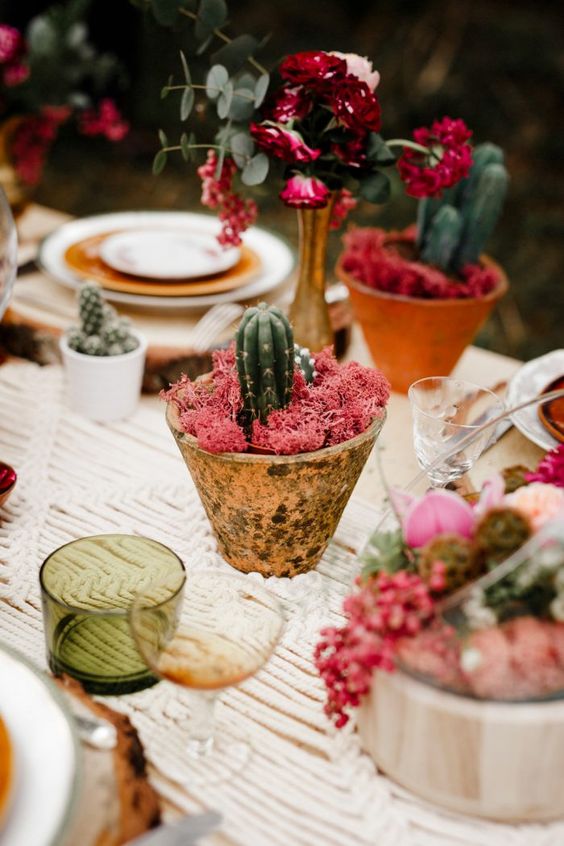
(87, 588)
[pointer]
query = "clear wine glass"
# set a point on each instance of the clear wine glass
(222, 631)
(445, 410)
(8, 252)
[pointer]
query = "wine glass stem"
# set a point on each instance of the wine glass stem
(202, 719)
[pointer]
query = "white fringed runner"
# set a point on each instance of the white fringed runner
(306, 783)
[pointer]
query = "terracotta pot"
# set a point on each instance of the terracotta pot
(501, 760)
(274, 514)
(410, 338)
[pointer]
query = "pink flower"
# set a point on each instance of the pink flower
(107, 121)
(344, 203)
(448, 160)
(313, 68)
(11, 43)
(285, 144)
(437, 512)
(491, 495)
(550, 469)
(288, 103)
(538, 502)
(305, 192)
(15, 74)
(361, 67)
(235, 213)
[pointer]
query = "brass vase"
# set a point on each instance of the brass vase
(308, 313)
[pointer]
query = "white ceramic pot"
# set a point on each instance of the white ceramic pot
(501, 760)
(104, 388)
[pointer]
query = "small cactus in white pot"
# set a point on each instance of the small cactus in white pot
(104, 359)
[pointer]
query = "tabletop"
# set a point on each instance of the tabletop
(306, 784)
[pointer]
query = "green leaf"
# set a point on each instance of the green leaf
(164, 92)
(224, 100)
(211, 15)
(185, 68)
(375, 188)
(234, 55)
(378, 151)
(41, 36)
(159, 162)
(242, 105)
(242, 148)
(204, 45)
(220, 160)
(162, 138)
(186, 103)
(185, 147)
(215, 80)
(256, 170)
(261, 88)
(165, 11)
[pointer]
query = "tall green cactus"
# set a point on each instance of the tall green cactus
(453, 230)
(265, 361)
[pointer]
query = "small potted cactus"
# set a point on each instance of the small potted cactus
(422, 294)
(275, 439)
(103, 359)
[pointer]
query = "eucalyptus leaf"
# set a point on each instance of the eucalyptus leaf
(41, 36)
(224, 101)
(217, 77)
(204, 45)
(211, 14)
(234, 55)
(375, 188)
(185, 68)
(261, 88)
(76, 35)
(159, 162)
(164, 92)
(246, 80)
(220, 160)
(186, 103)
(378, 151)
(185, 147)
(163, 138)
(242, 105)
(242, 148)
(256, 170)
(166, 11)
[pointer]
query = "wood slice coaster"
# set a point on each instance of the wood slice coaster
(116, 802)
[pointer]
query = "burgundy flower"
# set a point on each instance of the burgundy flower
(107, 121)
(285, 144)
(344, 203)
(11, 44)
(313, 68)
(288, 103)
(15, 74)
(355, 106)
(352, 152)
(448, 160)
(305, 192)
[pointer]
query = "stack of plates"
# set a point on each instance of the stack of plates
(165, 259)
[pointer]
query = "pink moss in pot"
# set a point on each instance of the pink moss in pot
(340, 403)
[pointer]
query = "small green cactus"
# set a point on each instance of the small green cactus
(265, 361)
(304, 360)
(101, 331)
(499, 533)
(461, 563)
(452, 231)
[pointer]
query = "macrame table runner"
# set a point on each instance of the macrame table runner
(306, 783)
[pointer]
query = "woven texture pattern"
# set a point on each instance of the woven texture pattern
(306, 784)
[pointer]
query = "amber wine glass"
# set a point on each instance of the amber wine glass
(221, 633)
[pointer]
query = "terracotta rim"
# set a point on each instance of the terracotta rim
(248, 458)
(448, 302)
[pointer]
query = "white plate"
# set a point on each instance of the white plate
(45, 751)
(167, 254)
(277, 260)
(527, 383)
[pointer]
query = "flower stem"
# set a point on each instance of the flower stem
(402, 142)
(225, 38)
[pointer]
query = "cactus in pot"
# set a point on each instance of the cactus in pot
(452, 231)
(101, 331)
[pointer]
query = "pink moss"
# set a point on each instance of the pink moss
(340, 404)
(387, 262)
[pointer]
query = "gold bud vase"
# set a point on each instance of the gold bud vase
(308, 313)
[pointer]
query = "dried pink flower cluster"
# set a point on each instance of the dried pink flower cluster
(551, 469)
(383, 260)
(450, 160)
(340, 404)
(106, 121)
(235, 212)
(386, 609)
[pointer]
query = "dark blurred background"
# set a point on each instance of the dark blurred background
(498, 65)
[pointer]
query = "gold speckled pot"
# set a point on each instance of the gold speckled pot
(274, 514)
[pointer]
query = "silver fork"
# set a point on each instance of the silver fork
(213, 324)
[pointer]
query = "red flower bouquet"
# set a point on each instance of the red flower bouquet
(46, 75)
(502, 638)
